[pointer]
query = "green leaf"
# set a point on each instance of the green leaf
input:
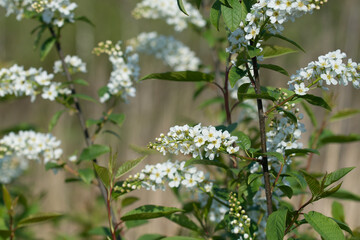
(183, 76)
(337, 175)
(313, 183)
(53, 165)
(103, 90)
(275, 68)
(343, 226)
(215, 13)
(46, 47)
(253, 177)
(243, 140)
(253, 51)
(276, 225)
(184, 221)
(235, 74)
(100, 231)
(180, 238)
(103, 173)
(271, 51)
(117, 118)
(255, 96)
(5, 233)
(85, 97)
(6, 198)
(135, 223)
(112, 133)
(289, 115)
(346, 195)
(279, 156)
(242, 90)
(340, 139)
(85, 19)
(87, 175)
(315, 100)
(128, 201)
(233, 16)
(325, 226)
(81, 82)
(151, 237)
(302, 151)
(286, 39)
(93, 152)
(128, 166)
(55, 119)
(181, 7)
(206, 162)
(331, 191)
(37, 218)
(310, 113)
(346, 113)
(337, 211)
(148, 212)
(91, 122)
(286, 190)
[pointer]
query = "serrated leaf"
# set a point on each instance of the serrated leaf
(135, 223)
(337, 175)
(243, 140)
(103, 173)
(151, 237)
(302, 151)
(253, 176)
(182, 76)
(93, 152)
(235, 74)
(117, 118)
(85, 97)
(271, 51)
(343, 114)
(37, 218)
(148, 212)
(87, 175)
(6, 198)
(182, 7)
(275, 68)
(128, 166)
(337, 211)
(310, 113)
(128, 201)
(315, 100)
(206, 162)
(313, 183)
(343, 226)
(215, 13)
(46, 47)
(183, 221)
(286, 190)
(55, 119)
(325, 226)
(233, 16)
(276, 225)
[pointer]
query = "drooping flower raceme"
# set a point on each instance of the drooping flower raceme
(56, 12)
(196, 140)
(174, 53)
(74, 63)
(16, 149)
(272, 13)
(169, 10)
(125, 72)
(19, 82)
(330, 69)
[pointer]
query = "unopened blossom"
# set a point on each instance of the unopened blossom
(32, 82)
(196, 141)
(272, 12)
(171, 51)
(50, 11)
(17, 149)
(74, 64)
(170, 12)
(329, 69)
(125, 72)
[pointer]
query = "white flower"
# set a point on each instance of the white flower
(74, 63)
(301, 89)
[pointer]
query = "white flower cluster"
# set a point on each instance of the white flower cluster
(125, 72)
(16, 149)
(173, 174)
(51, 11)
(169, 10)
(19, 82)
(329, 68)
(74, 64)
(272, 13)
(195, 140)
(174, 53)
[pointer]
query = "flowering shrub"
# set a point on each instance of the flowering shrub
(248, 168)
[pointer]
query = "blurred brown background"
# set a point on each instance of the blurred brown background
(159, 105)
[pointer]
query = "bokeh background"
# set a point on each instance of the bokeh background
(159, 105)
